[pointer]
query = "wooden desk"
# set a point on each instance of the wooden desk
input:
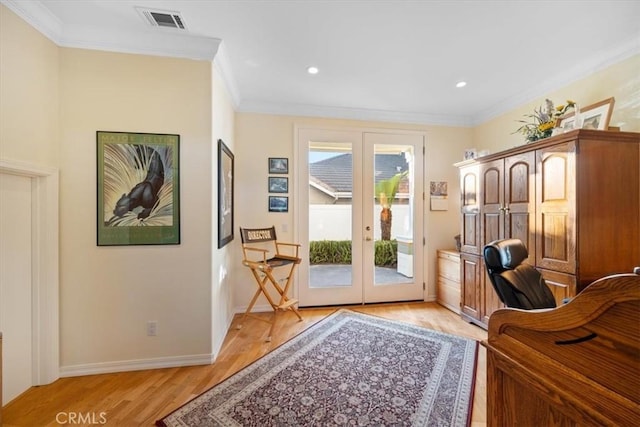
(578, 364)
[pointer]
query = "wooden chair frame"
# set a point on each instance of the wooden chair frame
(256, 258)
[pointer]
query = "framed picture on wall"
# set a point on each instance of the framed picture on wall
(225, 194)
(278, 184)
(278, 165)
(138, 188)
(278, 204)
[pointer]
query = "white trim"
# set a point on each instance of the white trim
(264, 308)
(364, 114)
(136, 365)
(38, 16)
(45, 267)
(222, 65)
(154, 41)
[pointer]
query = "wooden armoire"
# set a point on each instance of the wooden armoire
(573, 199)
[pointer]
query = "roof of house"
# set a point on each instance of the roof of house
(334, 174)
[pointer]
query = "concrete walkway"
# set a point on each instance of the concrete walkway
(330, 275)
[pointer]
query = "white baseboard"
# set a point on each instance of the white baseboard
(135, 365)
(256, 309)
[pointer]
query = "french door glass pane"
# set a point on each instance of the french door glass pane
(393, 219)
(330, 214)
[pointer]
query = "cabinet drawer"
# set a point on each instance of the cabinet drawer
(449, 294)
(449, 269)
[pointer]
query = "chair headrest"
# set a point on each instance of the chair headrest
(505, 254)
(256, 235)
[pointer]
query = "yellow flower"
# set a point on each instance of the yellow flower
(545, 126)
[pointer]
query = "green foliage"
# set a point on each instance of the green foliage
(339, 252)
(386, 189)
(386, 253)
(330, 252)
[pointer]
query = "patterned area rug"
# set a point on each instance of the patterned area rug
(348, 369)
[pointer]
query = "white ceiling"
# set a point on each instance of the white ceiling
(378, 60)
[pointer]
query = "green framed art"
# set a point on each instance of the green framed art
(138, 189)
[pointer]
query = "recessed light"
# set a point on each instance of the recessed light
(312, 70)
(461, 84)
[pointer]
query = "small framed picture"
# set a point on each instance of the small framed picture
(470, 154)
(595, 116)
(278, 204)
(278, 165)
(278, 184)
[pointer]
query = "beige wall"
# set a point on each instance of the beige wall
(53, 100)
(621, 81)
(222, 304)
(260, 136)
(108, 294)
(29, 112)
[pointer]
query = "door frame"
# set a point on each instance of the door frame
(45, 268)
(299, 186)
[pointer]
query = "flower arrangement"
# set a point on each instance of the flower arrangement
(543, 120)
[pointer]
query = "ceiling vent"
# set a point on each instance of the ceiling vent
(162, 18)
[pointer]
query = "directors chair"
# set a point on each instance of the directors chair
(257, 245)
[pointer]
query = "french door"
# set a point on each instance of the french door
(359, 207)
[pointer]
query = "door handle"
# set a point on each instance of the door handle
(368, 239)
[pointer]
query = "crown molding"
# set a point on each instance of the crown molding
(168, 43)
(158, 42)
(363, 114)
(222, 65)
(38, 16)
(584, 69)
(146, 43)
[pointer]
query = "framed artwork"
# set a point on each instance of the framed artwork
(138, 188)
(278, 184)
(594, 116)
(278, 165)
(225, 194)
(470, 154)
(278, 204)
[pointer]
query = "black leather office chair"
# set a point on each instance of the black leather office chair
(519, 285)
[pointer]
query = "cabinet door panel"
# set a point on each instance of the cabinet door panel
(555, 197)
(490, 299)
(470, 232)
(470, 285)
(519, 198)
(492, 201)
(562, 285)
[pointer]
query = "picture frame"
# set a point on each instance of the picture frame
(138, 188)
(278, 165)
(278, 204)
(470, 153)
(225, 194)
(595, 116)
(278, 184)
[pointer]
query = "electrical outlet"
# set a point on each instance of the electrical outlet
(152, 328)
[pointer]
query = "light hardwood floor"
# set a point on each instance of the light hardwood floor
(140, 398)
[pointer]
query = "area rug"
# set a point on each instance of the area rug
(347, 369)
